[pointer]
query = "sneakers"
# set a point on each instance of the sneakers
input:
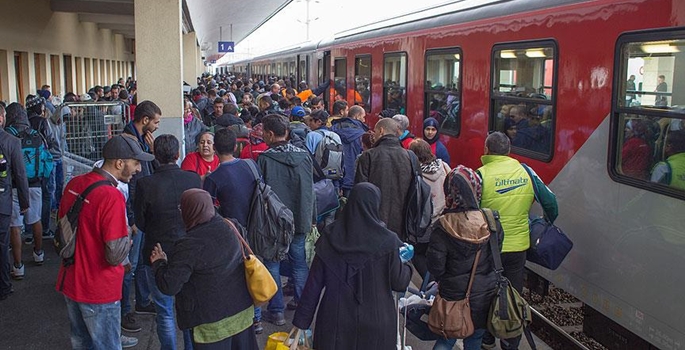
(275, 318)
(48, 234)
(258, 328)
(146, 310)
(292, 304)
(17, 272)
(288, 289)
(486, 346)
(129, 324)
(128, 342)
(28, 240)
(39, 258)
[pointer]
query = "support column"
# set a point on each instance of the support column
(200, 64)
(159, 61)
(189, 58)
(8, 77)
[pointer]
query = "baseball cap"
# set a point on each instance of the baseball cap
(124, 147)
(297, 111)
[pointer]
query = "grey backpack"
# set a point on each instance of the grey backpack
(329, 155)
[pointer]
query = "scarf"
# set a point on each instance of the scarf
(432, 167)
(463, 189)
(196, 207)
(434, 123)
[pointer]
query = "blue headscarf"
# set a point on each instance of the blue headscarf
(434, 123)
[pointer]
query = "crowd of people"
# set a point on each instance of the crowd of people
(171, 232)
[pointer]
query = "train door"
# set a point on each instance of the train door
(325, 73)
(339, 88)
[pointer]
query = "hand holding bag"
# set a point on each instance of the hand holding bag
(292, 341)
(260, 283)
(452, 319)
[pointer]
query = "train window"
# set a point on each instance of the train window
(319, 70)
(648, 114)
(362, 82)
(443, 89)
(395, 82)
(340, 79)
(522, 98)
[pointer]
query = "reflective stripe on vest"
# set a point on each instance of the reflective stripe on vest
(508, 189)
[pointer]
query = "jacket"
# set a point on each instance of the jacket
(206, 273)
(40, 124)
(435, 179)
(455, 240)
(10, 148)
(388, 166)
(146, 169)
(289, 171)
(156, 206)
(350, 132)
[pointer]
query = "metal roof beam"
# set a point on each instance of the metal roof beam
(112, 7)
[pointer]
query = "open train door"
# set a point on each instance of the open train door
(325, 75)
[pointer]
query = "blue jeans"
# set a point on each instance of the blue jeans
(166, 323)
(300, 270)
(471, 343)
(94, 326)
(59, 184)
(48, 193)
(133, 256)
(143, 297)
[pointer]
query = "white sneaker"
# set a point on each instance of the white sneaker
(128, 342)
(39, 258)
(18, 272)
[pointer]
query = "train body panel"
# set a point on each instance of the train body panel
(629, 241)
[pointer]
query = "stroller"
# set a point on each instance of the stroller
(414, 307)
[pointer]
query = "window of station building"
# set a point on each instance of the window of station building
(523, 96)
(362, 82)
(443, 89)
(395, 82)
(339, 79)
(647, 147)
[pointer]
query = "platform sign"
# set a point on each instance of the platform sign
(226, 46)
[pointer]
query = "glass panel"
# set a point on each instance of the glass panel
(303, 71)
(524, 72)
(319, 70)
(340, 67)
(528, 125)
(443, 98)
(395, 82)
(362, 79)
(653, 74)
(652, 149)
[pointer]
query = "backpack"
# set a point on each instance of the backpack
(419, 209)
(270, 224)
(65, 235)
(329, 155)
(37, 157)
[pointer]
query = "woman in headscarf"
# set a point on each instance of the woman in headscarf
(205, 272)
(256, 146)
(205, 160)
(456, 238)
(357, 261)
(431, 133)
(192, 125)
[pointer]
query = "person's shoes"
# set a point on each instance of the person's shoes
(288, 289)
(6, 295)
(486, 346)
(292, 304)
(128, 342)
(129, 324)
(258, 328)
(48, 234)
(17, 272)
(275, 318)
(28, 240)
(39, 257)
(146, 310)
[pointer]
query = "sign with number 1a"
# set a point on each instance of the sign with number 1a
(226, 46)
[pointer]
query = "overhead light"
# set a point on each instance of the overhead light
(535, 53)
(457, 56)
(507, 54)
(659, 48)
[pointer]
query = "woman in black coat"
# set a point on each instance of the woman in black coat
(456, 238)
(357, 262)
(207, 275)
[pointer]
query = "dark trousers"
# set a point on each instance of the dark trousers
(514, 264)
(5, 284)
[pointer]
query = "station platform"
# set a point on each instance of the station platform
(35, 316)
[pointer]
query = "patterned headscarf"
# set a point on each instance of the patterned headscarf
(463, 189)
(257, 134)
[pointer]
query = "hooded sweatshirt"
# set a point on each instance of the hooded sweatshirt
(350, 132)
(288, 170)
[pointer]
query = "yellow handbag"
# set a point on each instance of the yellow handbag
(260, 283)
(275, 339)
(291, 342)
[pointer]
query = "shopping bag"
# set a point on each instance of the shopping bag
(292, 341)
(275, 339)
(310, 243)
(549, 245)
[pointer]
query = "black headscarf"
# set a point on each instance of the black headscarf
(196, 207)
(16, 116)
(347, 245)
(434, 123)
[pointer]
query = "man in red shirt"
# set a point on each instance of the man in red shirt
(92, 284)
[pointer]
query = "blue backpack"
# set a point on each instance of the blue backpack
(34, 151)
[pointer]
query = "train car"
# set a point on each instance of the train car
(590, 93)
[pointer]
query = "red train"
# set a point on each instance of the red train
(596, 90)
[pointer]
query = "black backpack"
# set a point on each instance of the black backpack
(419, 209)
(270, 224)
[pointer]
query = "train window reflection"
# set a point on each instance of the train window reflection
(395, 82)
(443, 89)
(339, 80)
(362, 82)
(522, 100)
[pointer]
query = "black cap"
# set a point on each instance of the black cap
(124, 147)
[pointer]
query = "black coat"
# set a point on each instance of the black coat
(454, 241)
(387, 165)
(341, 322)
(206, 273)
(156, 206)
(10, 148)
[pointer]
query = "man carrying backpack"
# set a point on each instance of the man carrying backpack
(38, 165)
(12, 179)
(350, 129)
(326, 146)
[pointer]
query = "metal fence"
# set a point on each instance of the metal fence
(88, 127)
